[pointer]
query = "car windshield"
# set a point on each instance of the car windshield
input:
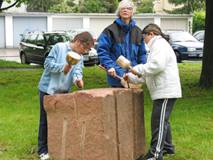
(52, 39)
(181, 37)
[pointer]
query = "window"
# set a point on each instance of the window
(40, 40)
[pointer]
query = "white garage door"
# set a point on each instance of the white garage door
(97, 25)
(2, 29)
(180, 24)
(66, 23)
(142, 22)
(22, 25)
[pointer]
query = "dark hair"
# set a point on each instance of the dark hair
(85, 38)
(155, 29)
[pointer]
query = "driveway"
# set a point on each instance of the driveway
(10, 54)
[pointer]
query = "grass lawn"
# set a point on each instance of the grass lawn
(192, 118)
(10, 64)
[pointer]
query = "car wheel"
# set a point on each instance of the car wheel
(178, 56)
(24, 59)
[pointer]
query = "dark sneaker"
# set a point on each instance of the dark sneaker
(140, 158)
(149, 156)
(144, 158)
(168, 152)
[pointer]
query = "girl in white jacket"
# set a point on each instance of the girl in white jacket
(162, 79)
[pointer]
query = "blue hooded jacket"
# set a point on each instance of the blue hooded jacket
(120, 39)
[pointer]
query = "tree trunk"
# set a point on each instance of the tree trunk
(206, 78)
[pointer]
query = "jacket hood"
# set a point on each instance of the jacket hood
(125, 26)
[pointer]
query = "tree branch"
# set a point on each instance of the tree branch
(1, 9)
(1, 1)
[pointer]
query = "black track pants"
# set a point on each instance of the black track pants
(160, 126)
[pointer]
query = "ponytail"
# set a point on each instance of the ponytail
(155, 29)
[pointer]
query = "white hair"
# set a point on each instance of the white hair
(123, 4)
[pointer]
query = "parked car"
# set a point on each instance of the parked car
(185, 45)
(90, 58)
(35, 46)
(199, 35)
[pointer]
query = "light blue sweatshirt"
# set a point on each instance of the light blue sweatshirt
(53, 79)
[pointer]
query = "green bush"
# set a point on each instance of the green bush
(198, 21)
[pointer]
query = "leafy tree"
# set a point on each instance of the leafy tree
(206, 78)
(97, 6)
(111, 5)
(90, 6)
(63, 7)
(198, 21)
(145, 6)
(41, 5)
(189, 6)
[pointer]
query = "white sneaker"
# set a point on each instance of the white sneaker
(44, 156)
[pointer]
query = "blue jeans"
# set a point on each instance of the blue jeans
(42, 133)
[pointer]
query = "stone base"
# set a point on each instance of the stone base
(96, 124)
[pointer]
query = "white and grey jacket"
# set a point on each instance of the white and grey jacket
(161, 71)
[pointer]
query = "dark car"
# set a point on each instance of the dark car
(199, 35)
(185, 45)
(90, 58)
(35, 46)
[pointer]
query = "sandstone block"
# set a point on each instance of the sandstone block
(96, 124)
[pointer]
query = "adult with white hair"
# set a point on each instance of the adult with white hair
(124, 38)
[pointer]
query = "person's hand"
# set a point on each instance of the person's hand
(137, 70)
(111, 72)
(125, 81)
(125, 77)
(80, 83)
(67, 68)
(134, 71)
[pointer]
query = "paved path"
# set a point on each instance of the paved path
(11, 54)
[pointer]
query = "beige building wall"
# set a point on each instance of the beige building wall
(161, 5)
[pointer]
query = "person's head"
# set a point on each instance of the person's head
(125, 9)
(152, 30)
(82, 42)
